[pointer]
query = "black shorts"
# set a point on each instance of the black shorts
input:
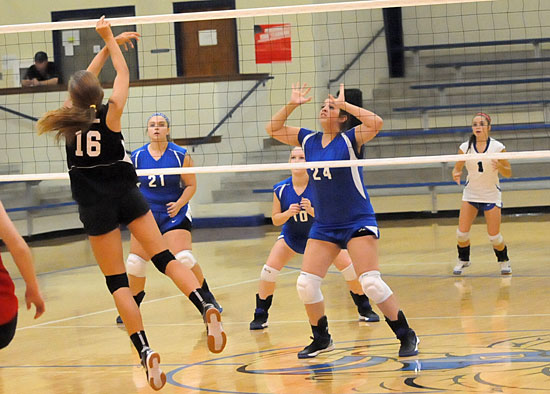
(7, 332)
(166, 223)
(107, 215)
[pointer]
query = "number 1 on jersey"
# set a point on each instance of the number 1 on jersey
(480, 166)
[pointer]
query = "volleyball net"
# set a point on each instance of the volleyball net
(425, 66)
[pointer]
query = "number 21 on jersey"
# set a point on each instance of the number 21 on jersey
(326, 173)
(93, 144)
(153, 180)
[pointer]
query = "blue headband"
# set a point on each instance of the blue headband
(160, 114)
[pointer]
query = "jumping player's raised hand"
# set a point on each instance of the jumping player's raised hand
(103, 28)
(125, 39)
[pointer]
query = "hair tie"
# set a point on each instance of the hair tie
(485, 116)
(162, 115)
(93, 106)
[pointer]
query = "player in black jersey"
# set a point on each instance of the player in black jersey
(103, 183)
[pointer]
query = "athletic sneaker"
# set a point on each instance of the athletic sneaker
(216, 305)
(364, 308)
(460, 265)
(409, 344)
(260, 320)
(505, 267)
(151, 362)
(318, 346)
(369, 316)
(214, 329)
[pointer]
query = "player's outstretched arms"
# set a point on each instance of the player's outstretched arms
(277, 128)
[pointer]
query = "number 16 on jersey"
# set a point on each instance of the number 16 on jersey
(93, 144)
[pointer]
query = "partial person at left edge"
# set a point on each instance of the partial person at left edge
(41, 73)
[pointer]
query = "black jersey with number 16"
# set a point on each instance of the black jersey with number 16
(99, 166)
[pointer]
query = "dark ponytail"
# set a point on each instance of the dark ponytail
(86, 95)
(355, 97)
(471, 141)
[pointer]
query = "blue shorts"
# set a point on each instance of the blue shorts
(341, 235)
(297, 244)
(483, 206)
(166, 223)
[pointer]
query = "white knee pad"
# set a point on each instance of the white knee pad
(269, 274)
(136, 266)
(349, 273)
(496, 239)
(462, 237)
(374, 287)
(186, 258)
(309, 288)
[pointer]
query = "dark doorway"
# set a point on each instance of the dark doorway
(86, 43)
(206, 48)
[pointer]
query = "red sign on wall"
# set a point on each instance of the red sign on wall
(272, 43)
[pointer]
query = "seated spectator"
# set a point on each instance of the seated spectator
(42, 72)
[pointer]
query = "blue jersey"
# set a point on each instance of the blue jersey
(297, 227)
(159, 190)
(341, 198)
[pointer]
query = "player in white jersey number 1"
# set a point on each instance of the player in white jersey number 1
(481, 192)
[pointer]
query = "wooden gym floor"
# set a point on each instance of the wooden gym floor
(479, 333)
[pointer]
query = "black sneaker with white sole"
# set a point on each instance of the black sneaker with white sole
(151, 362)
(405, 334)
(369, 316)
(260, 320)
(322, 342)
(364, 308)
(409, 344)
(318, 346)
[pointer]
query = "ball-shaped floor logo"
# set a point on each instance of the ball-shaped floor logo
(520, 363)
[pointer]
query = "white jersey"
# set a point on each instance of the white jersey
(482, 183)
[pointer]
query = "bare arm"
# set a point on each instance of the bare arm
(98, 61)
(121, 84)
(279, 218)
(371, 123)
(51, 81)
(457, 170)
(23, 259)
(190, 182)
(277, 128)
(503, 167)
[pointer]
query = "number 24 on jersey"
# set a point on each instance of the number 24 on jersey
(317, 177)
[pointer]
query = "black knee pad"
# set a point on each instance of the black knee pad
(162, 259)
(7, 332)
(115, 282)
